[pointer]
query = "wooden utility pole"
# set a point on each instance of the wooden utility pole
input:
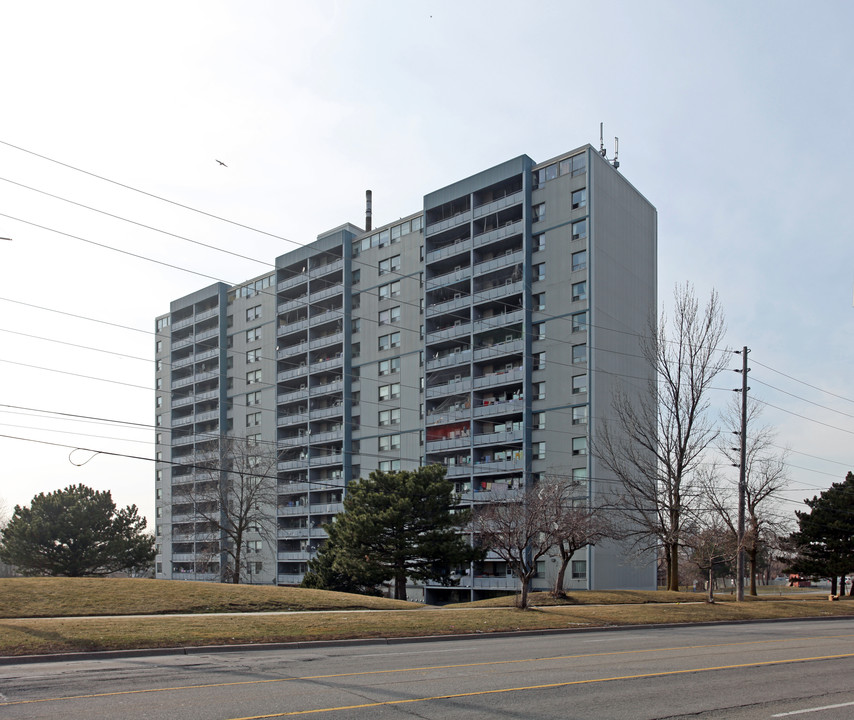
(742, 474)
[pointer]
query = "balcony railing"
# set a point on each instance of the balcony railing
(463, 301)
(448, 333)
(448, 223)
(456, 248)
(454, 276)
(291, 327)
(499, 321)
(452, 387)
(513, 228)
(500, 378)
(290, 282)
(326, 269)
(499, 204)
(330, 339)
(449, 360)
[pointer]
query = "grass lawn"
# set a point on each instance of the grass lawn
(32, 609)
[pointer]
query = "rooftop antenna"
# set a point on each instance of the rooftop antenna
(616, 163)
(602, 151)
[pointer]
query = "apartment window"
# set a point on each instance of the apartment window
(163, 323)
(579, 446)
(357, 276)
(579, 384)
(392, 340)
(253, 335)
(355, 325)
(253, 356)
(551, 172)
(538, 421)
(253, 419)
(539, 212)
(389, 417)
(158, 420)
(158, 384)
(579, 230)
(539, 331)
(579, 321)
(539, 390)
(579, 290)
(253, 377)
(395, 233)
(388, 265)
(538, 272)
(158, 402)
(388, 367)
(159, 365)
(389, 392)
(539, 243)
(159, 475)
(390, 290)
(253, 398)
(392, 315)
(356, 301)
(539, 301)
(579, 569)
(158, 346)
(389, 442)
(579, 415)
(579, 198)
(253, 439)
(538, 450)
(539, 360)
(355, 349)
(389, 465)
(579, 475)
(579, 260)
(573, 166)
(579, 353)
(253, 313)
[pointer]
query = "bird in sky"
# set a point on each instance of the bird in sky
(222, 163)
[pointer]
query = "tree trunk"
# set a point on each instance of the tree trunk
(558, 590)
(673, 571)
(235, 576)
(523, 597)
(833, 585)
(711, 597)
(400, 586)
(751, 567)
(851, 590)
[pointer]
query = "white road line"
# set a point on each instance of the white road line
(815, 709)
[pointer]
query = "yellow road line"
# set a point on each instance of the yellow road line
(423, 669)
(538, 687)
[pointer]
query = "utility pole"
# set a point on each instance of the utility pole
(742, 473)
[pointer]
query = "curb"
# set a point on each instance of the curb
(356, 642)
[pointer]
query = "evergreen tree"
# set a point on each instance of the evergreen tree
(824, 541)
(76, 532)
(394, 526)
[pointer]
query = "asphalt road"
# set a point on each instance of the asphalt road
(763, 670)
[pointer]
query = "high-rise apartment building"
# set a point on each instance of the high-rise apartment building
(486, 332)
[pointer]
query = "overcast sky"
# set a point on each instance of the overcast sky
(734, 119)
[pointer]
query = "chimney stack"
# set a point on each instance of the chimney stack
(368, 202)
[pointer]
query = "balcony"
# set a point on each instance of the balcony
(502, 261)
(498, 289)
(326, 340)
(288, 510)
(443, 417)
(509, 347)
(456, 303)
(449, 388)
(481, 468)
(207, 354)
(292, 396)
(209, 415)
(326, 509)
(328, 292)
(183, 342)
(206, 314)
(464, 273)
(293, 441)
(186, 420)
(293, 373)
(449, 360)
(331, 387)
(334, 411)
(502, 377)
(301, 555)
(207, 395)
(448, 223)
(513, 228)
(183, 382)
(289, 579)
(294, 419)
(337, 459)
(321, 270)
(332, 364)
(499, 408)
(506, 436)
(293, 304)
(291, 328)
(298, 464)
(182, 362)
(207, 375)
(500, 204)
(328, 436)
(181, 324)
(435, 446)
(458, 470)
(457, 248)
(499, 321)
(291, 350)
(290, 282)
(449, 333)
(207, 334)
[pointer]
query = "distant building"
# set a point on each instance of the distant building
(485, 332)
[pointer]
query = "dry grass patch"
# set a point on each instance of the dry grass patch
(589, 597)
(69, 597)
(35, 636)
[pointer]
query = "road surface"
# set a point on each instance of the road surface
(762, 670)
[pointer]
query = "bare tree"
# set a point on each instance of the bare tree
(710, 546)
(657, 437)
(765, 479)
(237, 498)
(571, 520)
(515, 529)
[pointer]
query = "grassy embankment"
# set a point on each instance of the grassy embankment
(44, 615)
